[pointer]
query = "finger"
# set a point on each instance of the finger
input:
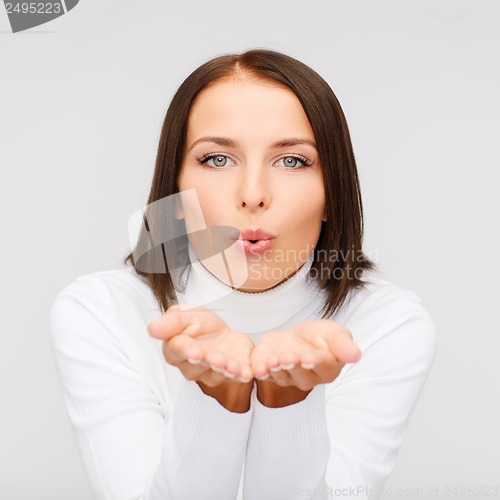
(343, 347)
(277, 363)
(170, 324)
(281, 378)
(259, 363)
(213, 378)
(326, 367)
(239, 369)
(313, 358)
(337, 337)
(288, 360)
(205, 375)
(305, 380)
(240, 364)
(201, 370)
(230, 368)
(328, 373)
(273, 363)
(192, 372)
(246, 374)
(182, 347)
(216, 359)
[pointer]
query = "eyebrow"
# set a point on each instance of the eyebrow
(223, 141)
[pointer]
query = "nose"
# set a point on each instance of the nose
(254, 189)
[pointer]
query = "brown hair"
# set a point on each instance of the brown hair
(341, 236)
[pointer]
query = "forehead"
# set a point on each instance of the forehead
(254, 108)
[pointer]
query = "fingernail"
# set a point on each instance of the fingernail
(307, 366)
(276, 368)
(288, 367)
(244, 380)
(227, 374)
(194, 361)
(216, 369)
(263, 377)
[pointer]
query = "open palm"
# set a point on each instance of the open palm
(203, 346)
(311, 353)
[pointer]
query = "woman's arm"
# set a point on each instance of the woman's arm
(206, 350)
(345, 435)
(289, 443)
(233, 396)
(133, 447)
(368, 412)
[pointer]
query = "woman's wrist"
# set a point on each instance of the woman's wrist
(234, 396)
(275, 396)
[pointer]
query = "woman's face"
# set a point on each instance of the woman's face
(245, 179)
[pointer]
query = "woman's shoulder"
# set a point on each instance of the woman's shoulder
(98, 329)
(376, 293)
(92, 286)
(379, 306)
(105, 295)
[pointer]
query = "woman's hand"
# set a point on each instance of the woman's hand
(311, 353)
(203, 346)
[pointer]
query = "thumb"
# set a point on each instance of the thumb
(342, 346)
(336, 338)
(328, 334)
(172, 323)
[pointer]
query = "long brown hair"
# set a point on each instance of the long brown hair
(339, 261)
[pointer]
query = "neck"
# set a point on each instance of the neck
(250, 312)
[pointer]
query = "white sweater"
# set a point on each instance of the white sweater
(144, 432)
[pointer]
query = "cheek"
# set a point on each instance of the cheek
(308, 202)
(212, 208)
(202, 208)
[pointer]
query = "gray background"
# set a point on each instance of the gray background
(82, 100)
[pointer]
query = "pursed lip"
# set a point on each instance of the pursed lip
(256, 234)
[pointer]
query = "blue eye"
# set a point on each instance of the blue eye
(290, 162)
(219, 160)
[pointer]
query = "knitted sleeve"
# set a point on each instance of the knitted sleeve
(343, 439)
(131, 448)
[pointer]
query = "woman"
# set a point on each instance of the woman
(277, 364)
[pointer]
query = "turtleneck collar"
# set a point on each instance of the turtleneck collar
(249, 312)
